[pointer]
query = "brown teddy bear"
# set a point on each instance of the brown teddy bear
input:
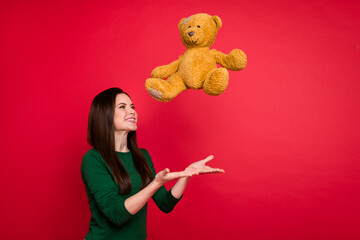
(196, 68)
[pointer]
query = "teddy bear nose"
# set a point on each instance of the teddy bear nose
(191, 34)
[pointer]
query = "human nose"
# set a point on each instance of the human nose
(131, 111)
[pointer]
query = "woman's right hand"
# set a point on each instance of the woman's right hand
(166, 176)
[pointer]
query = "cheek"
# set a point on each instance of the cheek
(119, 113)
(118, 118)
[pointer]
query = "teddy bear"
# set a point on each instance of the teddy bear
(196, 68)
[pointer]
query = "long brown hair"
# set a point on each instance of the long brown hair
(100, 135)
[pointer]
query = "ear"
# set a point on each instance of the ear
(181, 23)
(217, 21)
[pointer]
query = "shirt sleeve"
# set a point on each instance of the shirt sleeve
(101, 185)
(162, 198)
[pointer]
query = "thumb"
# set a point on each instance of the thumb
(165, 171)
(208, 158)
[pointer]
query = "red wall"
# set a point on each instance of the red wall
(286, 130)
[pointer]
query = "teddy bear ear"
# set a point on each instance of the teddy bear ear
(181, 23)
(217, 21)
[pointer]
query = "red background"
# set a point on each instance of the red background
(286, 130)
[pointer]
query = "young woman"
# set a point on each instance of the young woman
(119, 177)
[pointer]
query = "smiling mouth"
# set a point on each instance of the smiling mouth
(131, 120)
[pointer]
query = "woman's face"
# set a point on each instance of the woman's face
(125, 116)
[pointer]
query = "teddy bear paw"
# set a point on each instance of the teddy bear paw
(236, 60)
(155, 93)
(216, 82)
(156, 89)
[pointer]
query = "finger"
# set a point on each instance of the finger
(212, 170)
(165, 171)
(216, 170)
(208, 158)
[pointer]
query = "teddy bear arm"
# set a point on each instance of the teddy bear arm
(165, 71)
(219, 57)
(236, 60)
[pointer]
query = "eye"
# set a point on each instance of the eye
(133, 107)
(198, 26)
(122, 106)
(189, 26)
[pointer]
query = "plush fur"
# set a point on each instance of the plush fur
(196, 68)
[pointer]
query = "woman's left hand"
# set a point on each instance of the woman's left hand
(201, 168)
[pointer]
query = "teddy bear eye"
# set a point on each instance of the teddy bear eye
(189, 26)
(198, 26)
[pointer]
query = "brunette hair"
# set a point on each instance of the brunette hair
(100, 135)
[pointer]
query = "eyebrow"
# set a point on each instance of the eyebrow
(125, 104)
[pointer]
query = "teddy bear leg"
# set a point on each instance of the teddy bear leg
(216, 81)
(163, 90)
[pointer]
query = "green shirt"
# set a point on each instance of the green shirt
(109, 217)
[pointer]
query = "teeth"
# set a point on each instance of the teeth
(131, 120)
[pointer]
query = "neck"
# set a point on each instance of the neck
(121, 141)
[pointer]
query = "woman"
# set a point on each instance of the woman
(119, 177)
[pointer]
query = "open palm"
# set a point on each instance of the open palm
(195, 168)
(201, 168)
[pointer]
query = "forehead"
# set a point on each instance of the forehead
(122, 98)
(194, 22)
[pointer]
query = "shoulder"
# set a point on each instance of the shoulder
(92, 157)
(92, 153)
